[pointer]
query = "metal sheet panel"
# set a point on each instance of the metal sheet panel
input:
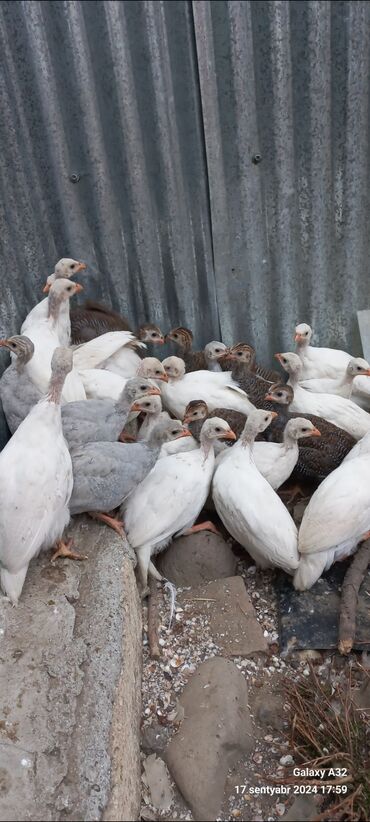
(161, 110)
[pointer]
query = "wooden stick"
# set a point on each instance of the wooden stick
(153, 603)
(348, 606)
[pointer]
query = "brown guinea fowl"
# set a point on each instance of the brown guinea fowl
(197, 411)
(240, 358)
(194, 360)
(248, 356)
(93, 319)
(317, 457)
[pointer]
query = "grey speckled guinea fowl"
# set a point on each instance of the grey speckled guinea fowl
(103, 420)
(105, 473)
(18, 394)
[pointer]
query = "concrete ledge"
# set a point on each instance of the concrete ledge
(70, 691)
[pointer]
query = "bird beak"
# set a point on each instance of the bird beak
(78, 288)
(278, 357)
(163, 377)
(136, 407)
(315, 432)
(366, 373)
(46, 288)
(154, 392)
(229, 435)
(160, 341)
(226, 356)
(273, 414)
(4, 343)
(80, 267)
(184, 433)
(298, 337)
(167, 338)
(186, 420)
(269, 397)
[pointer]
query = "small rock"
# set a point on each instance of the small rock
(268, 709)
(196, 559)
(215, 733)
(153, 739)
(157, 780)
(231, 615)
(286, 760)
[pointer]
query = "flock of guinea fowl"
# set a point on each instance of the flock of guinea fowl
(140, 444)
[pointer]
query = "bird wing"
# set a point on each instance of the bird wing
(101, 385)
(105, 473)
(339, 510)
(96, 351)
(35, 482)
(171, 496)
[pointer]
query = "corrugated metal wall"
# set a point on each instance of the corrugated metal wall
(162, 110)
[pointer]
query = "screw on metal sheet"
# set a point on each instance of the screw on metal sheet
(75, 178)
(257, 158)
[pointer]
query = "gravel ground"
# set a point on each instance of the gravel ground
(188, 643)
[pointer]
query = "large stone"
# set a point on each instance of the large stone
(197, 558)
(233, 622)
(70, 686)
(216, 731)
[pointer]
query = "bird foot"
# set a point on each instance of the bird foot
(123, 437)
(64, 550)
(294, 492)
(114, 523)
(202, 526)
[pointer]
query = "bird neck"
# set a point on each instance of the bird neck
(213, 365)
(123, 405)
(206, 446)
(289, 441)
(56, 388)
(149, 424)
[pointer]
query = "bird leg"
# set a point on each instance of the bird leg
(202, 526)
(63, 549)
(114, 523)
(295, 491)
(123, 437)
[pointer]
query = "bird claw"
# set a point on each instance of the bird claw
(64, 550)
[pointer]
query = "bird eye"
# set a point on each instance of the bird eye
(158, 372)
(175, 431)
(218, 430)
(306, 333)
(279, 393)
(266, 419)
(153, 334)
(304, 429)
(143, 387)
(69, 288)
(73, 266)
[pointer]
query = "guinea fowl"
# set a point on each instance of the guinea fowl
(241, 358)
(103, 420)
(317, 457)
(249, 507)
(106, 473)
(45, 336)
(338, 410)
(345, 384)
(246, 354)
(18, 394)
(196, 360)
(171, 498)
(197, 411)
(100, 384)
(94, 319)
(318, 362)
(217, 390)
(64, 269)
(35, 485)
(336, 519)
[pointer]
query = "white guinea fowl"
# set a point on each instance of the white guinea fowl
(249, 507)
(344, 384)
(337, 410)
(45, 337)
(336, 519)
(35, 484)
(102, 385)
(212, 352)
(218, 390)
(318, 362)
(153, 416)
(64, 269)
(171, 497)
